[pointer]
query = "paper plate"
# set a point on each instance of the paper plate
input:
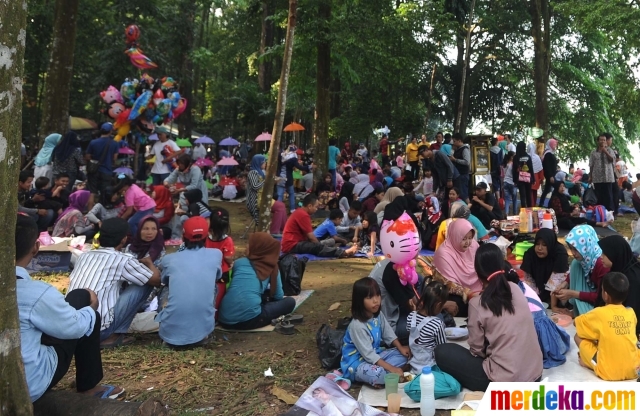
(456, 333)
(562, 320)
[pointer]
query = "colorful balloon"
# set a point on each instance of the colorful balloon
(147, 79)
(163, 107)
(168, 83)
(400, 243)
(132, 33)
(139, 60)
(158, 96)
(180, 108)
(141, 104)
(123, 118)
(111, 94)
(128, 91)
(122, 131)
(115, 109)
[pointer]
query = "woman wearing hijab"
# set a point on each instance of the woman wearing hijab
(148, 241)
(454, 261)
(389, 196)
(345, 198)
(325, 191)
(347, 153)
(586, 270)
(460, 210)
(378, 181)
(255, 180)
(248, 304)
(42, 162)
(618, 257)
(164, 205)
(523, 175)
(567, 214)
(72, 220)
(549, 167)
(67, 158)
(363, 188)
(546, 260)
(538, 171)
(353, 177)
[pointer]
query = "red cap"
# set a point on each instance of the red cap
(195, 229)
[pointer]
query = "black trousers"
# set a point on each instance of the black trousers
(86, 350)
(525, 194)
(615, 194)
(270, 311)
(604, 193)
(463, 308)
(457, 361)
(548, 187)
(317, 249)
(415, 169)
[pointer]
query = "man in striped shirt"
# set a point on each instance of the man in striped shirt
(121, 282)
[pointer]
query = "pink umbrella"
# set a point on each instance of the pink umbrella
(126, 151)
(227, 161)
(203, 162)
(264, 137)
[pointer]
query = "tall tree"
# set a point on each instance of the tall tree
(323, 86)
(541, 33)
(14, 395)
(459, 128)
(188, 10)
(55, 112)
(272, 164)
(266, 42)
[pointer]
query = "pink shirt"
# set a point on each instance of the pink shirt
(400, 162)
(136, 198)
(530, 293)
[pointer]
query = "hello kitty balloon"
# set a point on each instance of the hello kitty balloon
(400, 242)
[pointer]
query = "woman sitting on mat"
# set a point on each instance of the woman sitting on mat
(244, 306)
(460, 209)
(72, 220)
(501, 332)
(546, 262)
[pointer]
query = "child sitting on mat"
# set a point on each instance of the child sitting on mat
(606, 335)
(364, 358)
(426, 329)
(219, 238)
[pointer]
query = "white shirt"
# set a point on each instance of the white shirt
(103, 271)
(156, 150)
(199, 152)
(511, 147)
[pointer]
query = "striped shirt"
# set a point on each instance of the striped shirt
(104, 271)
(432, 333)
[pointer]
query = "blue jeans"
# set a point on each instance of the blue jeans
(463, 184)
(333, 177)
(374, 374)
(292, 198)
(280, 193)
(158, 178)
(509, 198)
(135, 219)
(129, 301)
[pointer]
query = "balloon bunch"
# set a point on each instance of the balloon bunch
(143, 103)
(138, 59)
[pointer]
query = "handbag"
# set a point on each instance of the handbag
(524, 176)
(92, 166)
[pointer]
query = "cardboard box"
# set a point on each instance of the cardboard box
(53, 258)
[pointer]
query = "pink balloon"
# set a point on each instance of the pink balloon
(180, 108)
(400, 243)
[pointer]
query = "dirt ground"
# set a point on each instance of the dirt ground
(227, 376)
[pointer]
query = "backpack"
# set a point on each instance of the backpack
(291, 272)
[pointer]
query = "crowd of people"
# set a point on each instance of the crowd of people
(358, 192)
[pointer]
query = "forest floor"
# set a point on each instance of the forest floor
(227, 376)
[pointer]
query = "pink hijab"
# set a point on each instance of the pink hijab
(454, 264)
(577, 176)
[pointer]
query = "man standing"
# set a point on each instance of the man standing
(615, 188)
(165, 151)
(510, 146)
(384, 150)
(438, 142)
(199, 152)
(461, 158)
(413, 158)
(444, 173)
(485, 206)
(102, 152)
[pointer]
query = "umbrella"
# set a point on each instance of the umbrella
(203, 162)
(229, 141)
(124, 169)
(264, 137)
(153, 137)
(183, 142)
(126, 151)
(205, 140)
(294, 127)
(78, 123)
(227, 161)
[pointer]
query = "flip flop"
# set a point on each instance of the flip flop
(343, 383)
(285, 328)
(107, 392)
(292, 319)
(121, 341)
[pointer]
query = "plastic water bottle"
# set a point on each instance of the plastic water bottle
(427, 398)
(547, 221)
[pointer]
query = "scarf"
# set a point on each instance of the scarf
(353, 177)
(264, 252)
(535, 159)
(66, 147)
(377, 180)
(446, 149)
(163, 199)
(363, 189)
(557, 260)
(391, 194)
(347, 191)
(256, 164)
(503, 146)
(77, 202)
(550, 147)
(564, 199)
(453, 263)
(154, 247)
(585, 240)
(44, 155)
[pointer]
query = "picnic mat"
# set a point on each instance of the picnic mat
(569, 371)
(304, 295)
(237, 200)
(311, 257)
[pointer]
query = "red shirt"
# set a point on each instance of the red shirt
(384, 147)
(435, 146)
(226, 246)
(296, 229)
(596, 276)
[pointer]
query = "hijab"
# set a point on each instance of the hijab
(347, 191)
(363, 189)
(503, 146)
(256, 164)
(446, 149)
(353, 177)
(154, 247)
(77, 202)
(453, 263)
(45, 154)
(564, 199)
(66, 147)
(377, 181)
(550, 147)
(577, 176)
(264, 252)
(585, 240)
(535, 159)
(557, 260)
(194, 196)
(163, 199)
(460, 210)
(391, 194)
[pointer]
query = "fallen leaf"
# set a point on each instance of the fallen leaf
(284, 395)
(279, 353)
(334, 306)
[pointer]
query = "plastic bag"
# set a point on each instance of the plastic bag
(230, 192)
(291, 272)
(329, 342)
(635, 239)
(445, 385)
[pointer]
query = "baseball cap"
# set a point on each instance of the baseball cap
(195, 229)
(106, 127)
(162, 129)
(482, 185)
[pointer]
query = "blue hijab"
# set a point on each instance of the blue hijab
(256, 164)
(44, 155)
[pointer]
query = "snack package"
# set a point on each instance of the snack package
(555, 281)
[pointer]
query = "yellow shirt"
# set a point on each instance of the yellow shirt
(412, 152)
(612, 327)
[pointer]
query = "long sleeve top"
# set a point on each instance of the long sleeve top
(192, 179)
(601, 167)
(348, 222)
(100, 213)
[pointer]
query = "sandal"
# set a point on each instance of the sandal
(292, 319)
(336, 377)
(121, 341)
(107, 393)
(285, 328)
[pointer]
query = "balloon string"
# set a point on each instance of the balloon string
(415, 291)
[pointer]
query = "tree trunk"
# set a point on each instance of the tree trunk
(427, 115)
(197, 98)
(14, 395)
(266, 41)
(323, 85)
(55, 113)
(67, 403)
(465, 65)
(541, 33)
(267, 193)
(185, 121)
